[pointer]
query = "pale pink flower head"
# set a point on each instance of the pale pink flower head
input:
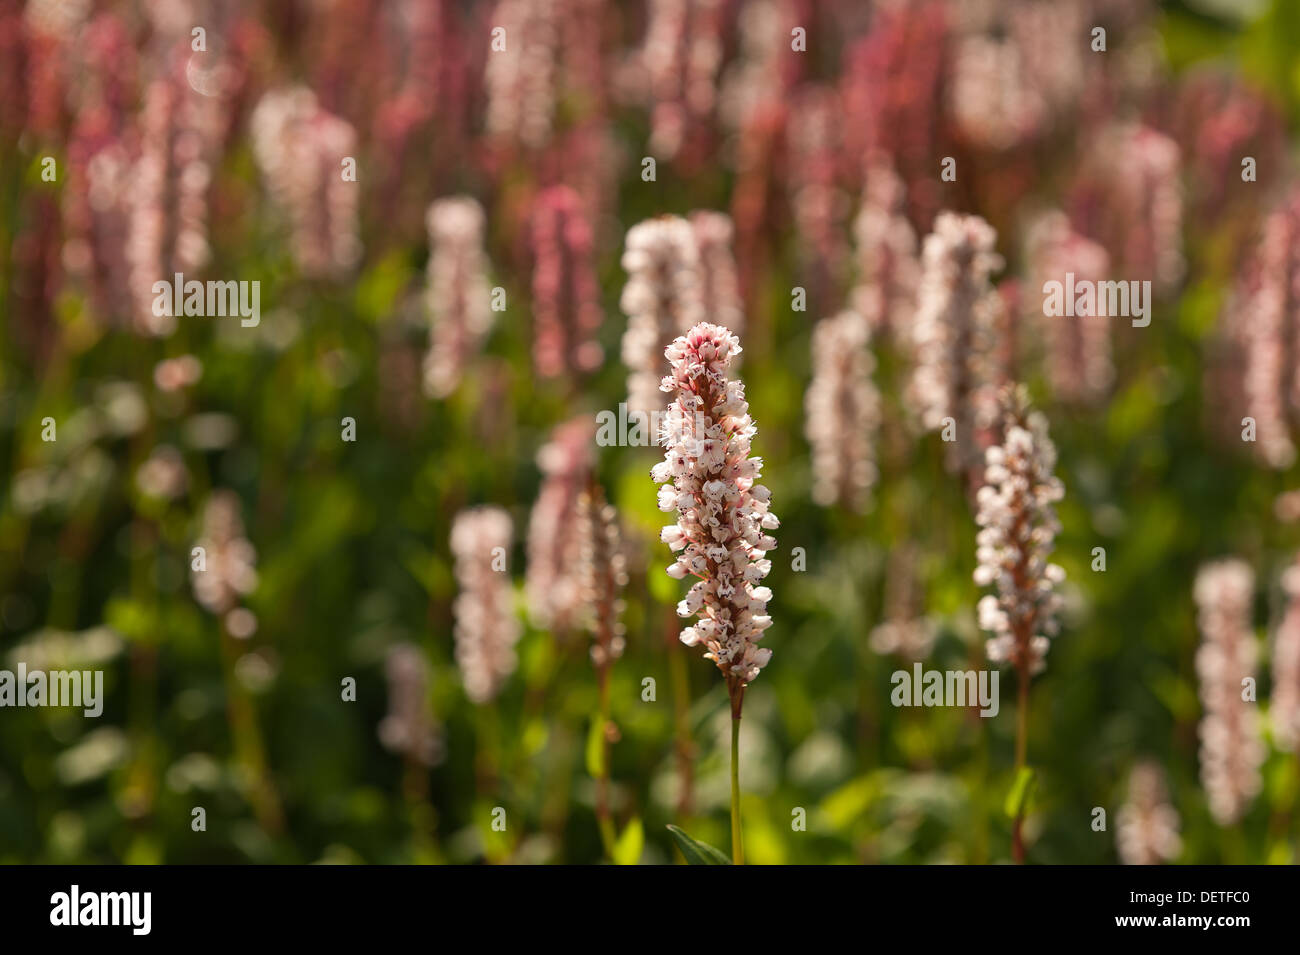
(553, 588)
(676, 71)
(566, 296)
(229, 560)
(954, 333)
(719, 283)
(175, 374)
(1266, 320)
(459, 298)
(1284, 707)
(903, 631)
(1018, 528)
(167, 197)
(520, 80)
(163, 475)
(1147, 825)
(604, 575)
(887, 250)
(663, 298)
(721, 534)
(993, 101)
(1231, 750)
(409, 727)
(486, 629)
(1078, 345)
(300, 148)
(842, 412)
(819, 204)
(1130, 196)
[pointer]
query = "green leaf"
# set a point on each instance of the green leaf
(1022, 792)
(627, 850)
(697, 853)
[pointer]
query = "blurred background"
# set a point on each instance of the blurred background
(213, 139)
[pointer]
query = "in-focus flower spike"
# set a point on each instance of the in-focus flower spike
(409, 727)
(721, 534)
(459, 296)
(662, 299)
(555, 592)
(1078, 347)
(719, 282)
(1147, 826)
(1018, 527)
(957, 309)
(566, 295)
(842, 412)
(300, 148)
(1284, 707)
(486, 628)
(1231, 750)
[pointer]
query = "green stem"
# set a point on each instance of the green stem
(737, 844)
(1022, 742)
(603, 817)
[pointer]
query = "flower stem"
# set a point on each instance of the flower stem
(603, 818)
(737, 844)
(1022, 735)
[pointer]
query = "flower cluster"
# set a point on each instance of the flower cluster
(408, 728)
(554, 591)
(486, 628)
(1135, 173)
(603, 574)
(957, 310)
(903, 631)
(228, 568)
(167, 228)
(1231, 751)
(842, 412)
(886, 250)
(662, 299)
(722, 512)
(1284, 707)
(566, 295)
(719, 283)
(520, 78)
(819, 205)
(1146, 831)
(1018, 527)
(1270, 332)
(458, 294)
(676, 70)
(300, 148)
(1078, 347)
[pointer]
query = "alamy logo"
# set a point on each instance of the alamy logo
(134, 909)
(210, 300)
(84, 688)
(946, 688)
(1085, 298)
(641, 429)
